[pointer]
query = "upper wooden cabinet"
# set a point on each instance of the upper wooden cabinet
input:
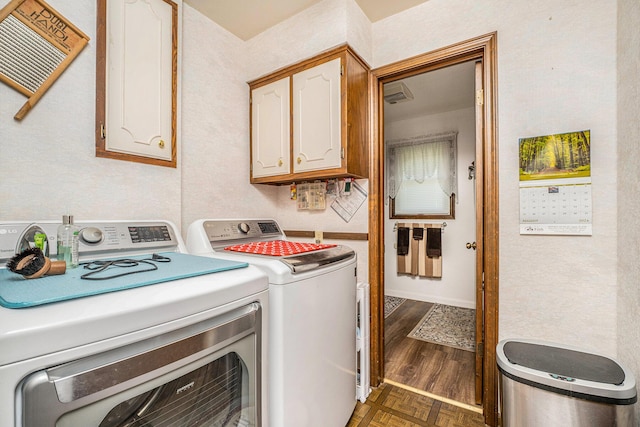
(136, 102)
(317, 143)
(310, 121)
(270, 129)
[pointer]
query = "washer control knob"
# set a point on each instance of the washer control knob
(243, 227)
(91, 235)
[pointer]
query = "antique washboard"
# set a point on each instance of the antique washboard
(36, 45)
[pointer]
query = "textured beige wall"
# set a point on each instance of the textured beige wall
(629, 186)
(322, 26)
(215, 126)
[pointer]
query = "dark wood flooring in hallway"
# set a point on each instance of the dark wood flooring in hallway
(441, 370)
(426, 384)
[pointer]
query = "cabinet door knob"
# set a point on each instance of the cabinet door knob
(299, 160)
(161, 144)
(279, 162)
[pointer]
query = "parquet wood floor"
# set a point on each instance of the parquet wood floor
(392, 406)
(444, 371)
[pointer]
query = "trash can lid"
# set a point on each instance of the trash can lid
(564, 362)
(566, 370)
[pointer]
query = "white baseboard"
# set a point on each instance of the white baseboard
(430, 298)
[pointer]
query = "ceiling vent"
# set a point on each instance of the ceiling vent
(395, 92)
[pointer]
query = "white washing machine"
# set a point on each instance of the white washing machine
(312, 321)
(140, 332)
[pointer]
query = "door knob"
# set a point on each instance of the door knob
(471, 245)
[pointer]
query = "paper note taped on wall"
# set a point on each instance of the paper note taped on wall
(36, 45)
(346, 206)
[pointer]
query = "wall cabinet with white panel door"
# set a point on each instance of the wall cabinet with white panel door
(328, 130)
(137, 61)
(270, 129)
(316, 118)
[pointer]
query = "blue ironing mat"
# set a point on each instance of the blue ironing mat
(18, 292)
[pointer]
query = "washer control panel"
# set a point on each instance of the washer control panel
(221, 232)
(95, 238)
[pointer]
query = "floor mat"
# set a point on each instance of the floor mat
(391, 304)
(447, 325)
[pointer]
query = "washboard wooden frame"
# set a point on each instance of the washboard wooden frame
(37, 44)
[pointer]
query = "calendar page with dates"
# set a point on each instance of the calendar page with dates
(556, 209)
(555, 184)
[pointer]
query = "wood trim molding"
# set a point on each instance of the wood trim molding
(334, 52)
(482, 48)
(376, 230)
(491, 230)
(451, 215)
(332, 235)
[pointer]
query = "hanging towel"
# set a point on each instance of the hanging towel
(434, 242)
(403, 248)
(417, 246)
(431, 266)
(403, 241)
(412, 246)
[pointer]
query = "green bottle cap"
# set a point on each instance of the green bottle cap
(39, 239)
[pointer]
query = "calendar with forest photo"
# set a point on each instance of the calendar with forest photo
(566, 155)
(555, 184)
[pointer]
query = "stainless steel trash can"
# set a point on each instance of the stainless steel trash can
(551, 385)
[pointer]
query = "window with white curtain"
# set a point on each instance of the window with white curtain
(421, 176)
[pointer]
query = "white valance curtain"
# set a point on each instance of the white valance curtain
(422, 157)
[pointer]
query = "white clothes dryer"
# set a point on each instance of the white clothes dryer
(141, 332)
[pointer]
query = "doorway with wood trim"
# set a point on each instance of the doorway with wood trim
(429, 264)
(481, 51)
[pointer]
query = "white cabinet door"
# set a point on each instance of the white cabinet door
(139, 78)
(270, 129)
(317, 139)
